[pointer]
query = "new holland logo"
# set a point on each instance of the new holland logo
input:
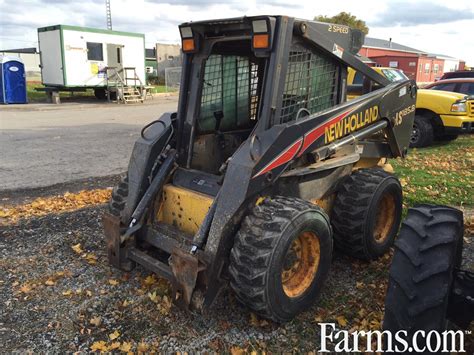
(350, 124)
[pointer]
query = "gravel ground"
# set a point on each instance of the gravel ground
(58, 298)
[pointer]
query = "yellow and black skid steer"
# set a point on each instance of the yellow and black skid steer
(265, 167)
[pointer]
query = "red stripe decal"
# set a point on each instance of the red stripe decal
(283, 158)
(308, 139)
(313, 135)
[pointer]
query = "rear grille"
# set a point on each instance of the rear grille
(471, 108)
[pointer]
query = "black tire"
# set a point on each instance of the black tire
(422, 134)
(367, 213)
(447, 137)
(119, 197)
(257, 260)
(422, 271)
(100, 94)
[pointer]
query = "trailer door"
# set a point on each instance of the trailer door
(114, 56)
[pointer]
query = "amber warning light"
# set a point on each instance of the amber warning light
(261, 35)
(187, 39)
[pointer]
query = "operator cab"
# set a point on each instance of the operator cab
(227, 113)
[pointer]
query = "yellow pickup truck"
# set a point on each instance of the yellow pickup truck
(439, 115)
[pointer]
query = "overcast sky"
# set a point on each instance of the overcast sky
(434, 26)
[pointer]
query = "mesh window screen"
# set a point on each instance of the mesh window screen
(229, 85)
(310, 84)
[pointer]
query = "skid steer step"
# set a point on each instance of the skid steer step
(150, 263)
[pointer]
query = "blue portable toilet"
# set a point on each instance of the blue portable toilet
(12, 81)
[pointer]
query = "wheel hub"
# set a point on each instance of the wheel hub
(300, 264)
(415, 134)
(385, 218)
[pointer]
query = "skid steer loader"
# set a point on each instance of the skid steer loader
(263, 167)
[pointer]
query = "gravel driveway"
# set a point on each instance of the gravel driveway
(58, 293)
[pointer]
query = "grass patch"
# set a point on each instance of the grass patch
(441, 174)
(40, 96)
(33, 95)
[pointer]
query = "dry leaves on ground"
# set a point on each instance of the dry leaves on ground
(68, 202)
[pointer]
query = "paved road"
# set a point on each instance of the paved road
(42, 144)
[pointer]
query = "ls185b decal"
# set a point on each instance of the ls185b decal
(402, 113)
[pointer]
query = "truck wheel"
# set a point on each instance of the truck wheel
(100, 94)
(367, 213)
(281, 257)
(422, 271)
(447, 137)
(422, 134)
(119, 197)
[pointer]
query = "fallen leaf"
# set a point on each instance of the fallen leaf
(91, 258)
(114, 335)
(126, 347)
(50, 282)
(26, 288)
(67, 293)
(256, 322)
(114, 345)
(95, 321)
(142, 347)
(235, 350)
(149, 280)
(153, 297)
(77, 248)
(341, 321)
(113, 282)
(99, 346)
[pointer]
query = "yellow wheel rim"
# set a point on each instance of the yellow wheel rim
(385, 218)
(300, 264)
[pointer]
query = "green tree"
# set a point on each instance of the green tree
(344, 18)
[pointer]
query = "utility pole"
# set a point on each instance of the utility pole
(109, 14)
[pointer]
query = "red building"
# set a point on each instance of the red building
(416, 64)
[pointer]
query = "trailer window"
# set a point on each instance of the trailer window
(119, 59)
(95, 51)
(229, 87)
(310, 84)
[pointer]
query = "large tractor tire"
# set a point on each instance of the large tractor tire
(119, 197)
(281, 257)
(367, 213)
(422, 134)
(427, 251)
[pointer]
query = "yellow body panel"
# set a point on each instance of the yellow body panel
(455, 121)
(185, 209)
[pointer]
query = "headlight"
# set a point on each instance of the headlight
(458, 107)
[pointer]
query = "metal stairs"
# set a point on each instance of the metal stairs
(124, 85)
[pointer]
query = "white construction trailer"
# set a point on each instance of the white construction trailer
(75, 58)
